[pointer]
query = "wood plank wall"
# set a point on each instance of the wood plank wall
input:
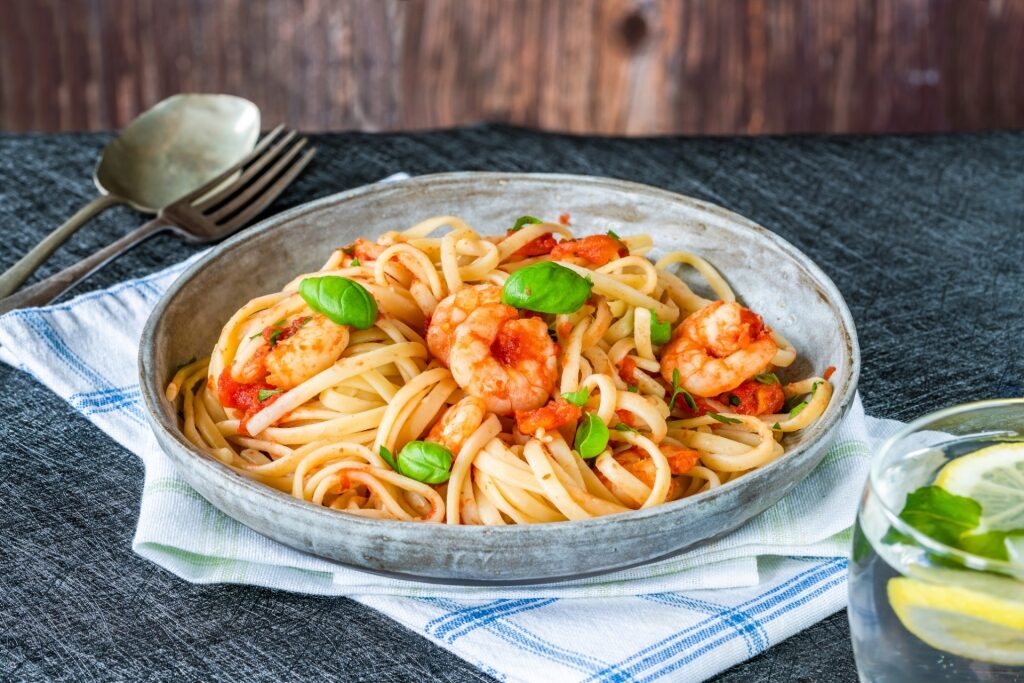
(603, 66)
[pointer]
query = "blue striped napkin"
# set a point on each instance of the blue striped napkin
(681, 619)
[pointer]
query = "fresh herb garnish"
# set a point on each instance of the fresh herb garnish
(343, 301)
(546, 287)
(577, 398)
(661, 332)
(264, 394)
(734, 400)
(355, 262)
(767, 378)
(614, 236)
(524, 220)
(425, 461)
(777, 426)
(953, 521)
(677, 390)
(623, 427)
(797, 409)
(278, 331)
(633, 389)
(258, 334)
(591, 436)
(723, 419)
(814, 387)
(388, 458)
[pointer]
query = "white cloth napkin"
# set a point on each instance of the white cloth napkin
(684, 619)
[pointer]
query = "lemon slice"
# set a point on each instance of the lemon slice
(960, 621)
(994, 477)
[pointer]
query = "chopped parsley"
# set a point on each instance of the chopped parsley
(734, 400)
(614, 236)
(524, 220)
(677, 390)
(355, 262)
(725, 420)
(777, 426)
(797, 409)
(577, 398)
(623, 427)
(767, 378)
(264, 394)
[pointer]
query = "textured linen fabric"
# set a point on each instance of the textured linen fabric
(924, 236)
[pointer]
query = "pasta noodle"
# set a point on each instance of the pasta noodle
(530, 377)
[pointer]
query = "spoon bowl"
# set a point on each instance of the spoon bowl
(175, 147)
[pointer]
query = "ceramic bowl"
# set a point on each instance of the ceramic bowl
(768, 274)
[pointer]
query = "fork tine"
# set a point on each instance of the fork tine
(271, 193)
(258, 182)
(251, 171)
(212, 184)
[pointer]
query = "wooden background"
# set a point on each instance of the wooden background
(615, 66)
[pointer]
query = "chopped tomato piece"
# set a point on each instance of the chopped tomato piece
(365, 250)
(555, 414)
(563, 219)
(244, 397)
(627, 370)
(680, 460)
(754, 398)
(828, 371)
(594, 249)
(628, 418)
(538, 246)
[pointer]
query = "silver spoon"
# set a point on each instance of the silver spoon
(168, 151)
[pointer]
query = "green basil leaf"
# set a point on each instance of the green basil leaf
(388, 458)
(264, 394)
(425, 461)
(546, 287)
(941, 515)
(524, 220)
(797, 409)
(577, 398)
(591, 437)
(343, 301)
(611, 233)
(767, 378)
(989, 544)
(723, 419)
(660, 332)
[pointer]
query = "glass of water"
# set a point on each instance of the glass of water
(937, 566)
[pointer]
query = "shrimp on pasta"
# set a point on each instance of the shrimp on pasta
(439, 374)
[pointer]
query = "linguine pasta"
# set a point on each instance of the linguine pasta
(451, 377)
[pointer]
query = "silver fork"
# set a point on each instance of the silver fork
(207, 214)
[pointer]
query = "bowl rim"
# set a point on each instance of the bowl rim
(153, 393)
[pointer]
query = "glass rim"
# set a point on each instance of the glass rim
(969, 560)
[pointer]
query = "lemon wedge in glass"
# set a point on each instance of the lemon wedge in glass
(994, 477)
(959, 620)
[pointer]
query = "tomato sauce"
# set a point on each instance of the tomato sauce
(244, 397)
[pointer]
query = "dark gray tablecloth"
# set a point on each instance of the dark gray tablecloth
(923, 235)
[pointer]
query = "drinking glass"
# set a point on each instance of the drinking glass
(921, 609)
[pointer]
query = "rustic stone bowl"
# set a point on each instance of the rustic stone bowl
(768, 274)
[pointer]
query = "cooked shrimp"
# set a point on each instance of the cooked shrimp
(452, 311)
(555, 414)
(509, 362)
(717, 348)
(595, 250)
(311, 347)
(458, 423)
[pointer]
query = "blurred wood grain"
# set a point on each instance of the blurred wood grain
(588, 66)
